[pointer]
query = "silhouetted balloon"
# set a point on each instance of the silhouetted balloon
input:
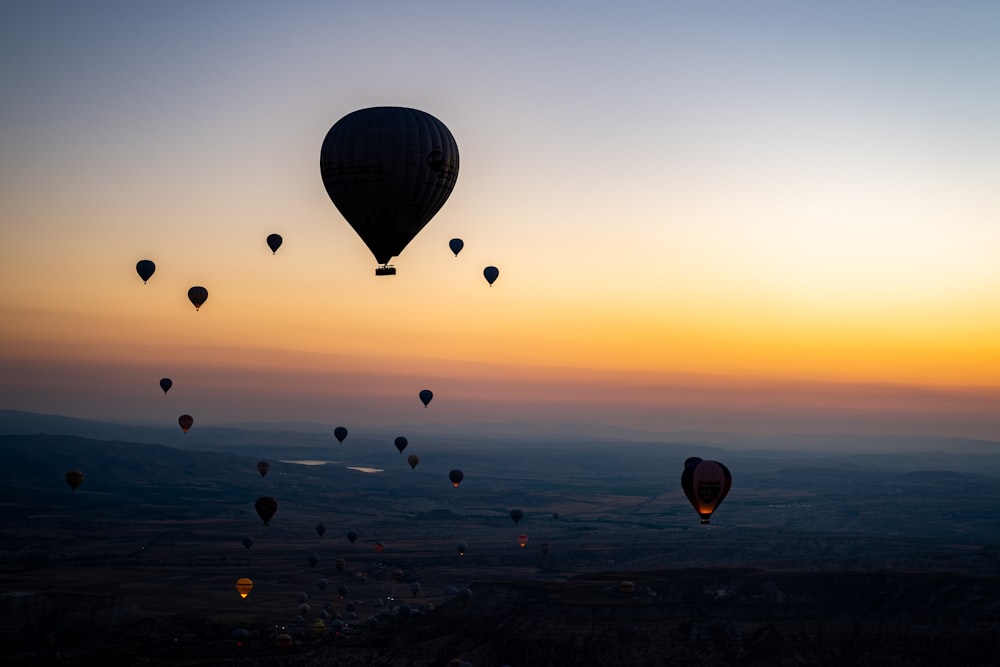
(186, 422)
(415, 588)
(404, 610)
(516, 515)
(627, 587)
(313, 560)
(546, 547)
(274, 242)
(351, 536)
(266, 506)
(388, 170)
(321, 584)
(396, 574)
(413, 460)
(491, 273)
(461, 547)
(522, 539)
(342, 591)
(244, 586)
(340, 433)
(247, 542)
(555, 516)
(263, 467)
(320, 529)
(240, 635)
(456, 246)
(198, 295)
(456, 477)
(705, 484)
(166, 384)
(425, 396)
(340, 564)
(145, 268)
(401, 443)
(74, 478)
(379, 547)
(301, 597)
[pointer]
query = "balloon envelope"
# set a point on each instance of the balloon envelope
(461, 547)
(266, 506)
(74, 478)
(247, 542)
(313, 560)
(388, 170)
(198, 295)
(320, 529)
(166, 384)
(516, 515)
(456, 477)
(456, 246)
(274, 242)
(401, 443)
(522, 539)
(705, 484)
(244, 586)
(186, 422)
(491, 273)
(263, 467)
(425, 396)
(379, 547)
(351, 536)
(340, 433)
(145, 268)
(413, 460)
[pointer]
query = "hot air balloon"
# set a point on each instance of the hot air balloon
(627, 587)
(340, 433)
(198, 295)
(401, 443)
(516, 515)
(284, 641)
(379, 547)
(318, 627)
(456, 246)
(396, 574)
(247, 543)
(340, 564)
(145, 268)
(321, 584)
(263, 467)
(313, 560)
(320, 529)
(413, 460)
(301, 597)
(73, 478)
(456, 477)
(240, 635)
(244, 586)
(266, 506)
(342, 591)
(415, 588)
(522, 539)
(166, 384)
(491, 273)
(186, 422)
(274, 242)
(545, 548)
(351, 536)
(388, 170)
(425, 396)
(461, 547)
(705, 484)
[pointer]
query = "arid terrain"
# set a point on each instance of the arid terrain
(819, 559)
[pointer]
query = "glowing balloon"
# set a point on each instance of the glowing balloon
(186, 422)
(74, 478)
(456, 477)
(145, 268)
(274, 242)
(166, 384)
(705, 484)
(388, 170)
(522, 539)
(461, 547)
(244, 586)
(491, 273)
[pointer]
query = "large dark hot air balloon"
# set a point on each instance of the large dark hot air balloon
(516, 515)
(491, 273)
(145, 268)
(74, 478)
(274, 242)
(186, 422)
(401, 443)
(263, 467)
(166, 384)
(413, 460)
(198, 295)
(456, 477)
(456, 246)
(340, 433)
(266, 506)
(425, 396)
(388, 170)
(705, 484)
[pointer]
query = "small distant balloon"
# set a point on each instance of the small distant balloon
(198, 295)
(247, 543)
(705, 483)
(352, 536)
(320, 529)
(425, 396)
(340, 564)
(266, 506)
(522, 539)
(627, 587)
(166, 384)
(263, 467)
(546, 547)
(74, 478)
(379, 547)
(321, 584)
(516, 515)
(244, 586)
(313, 560)
(461, 548)
(186, 421)
(413, 460)
(456, 477)
(456, 246)
(491, 273)
(274, 242)
(340, 433)
(401, 443)
(145, 268)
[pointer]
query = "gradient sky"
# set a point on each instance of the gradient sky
(763, 217)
